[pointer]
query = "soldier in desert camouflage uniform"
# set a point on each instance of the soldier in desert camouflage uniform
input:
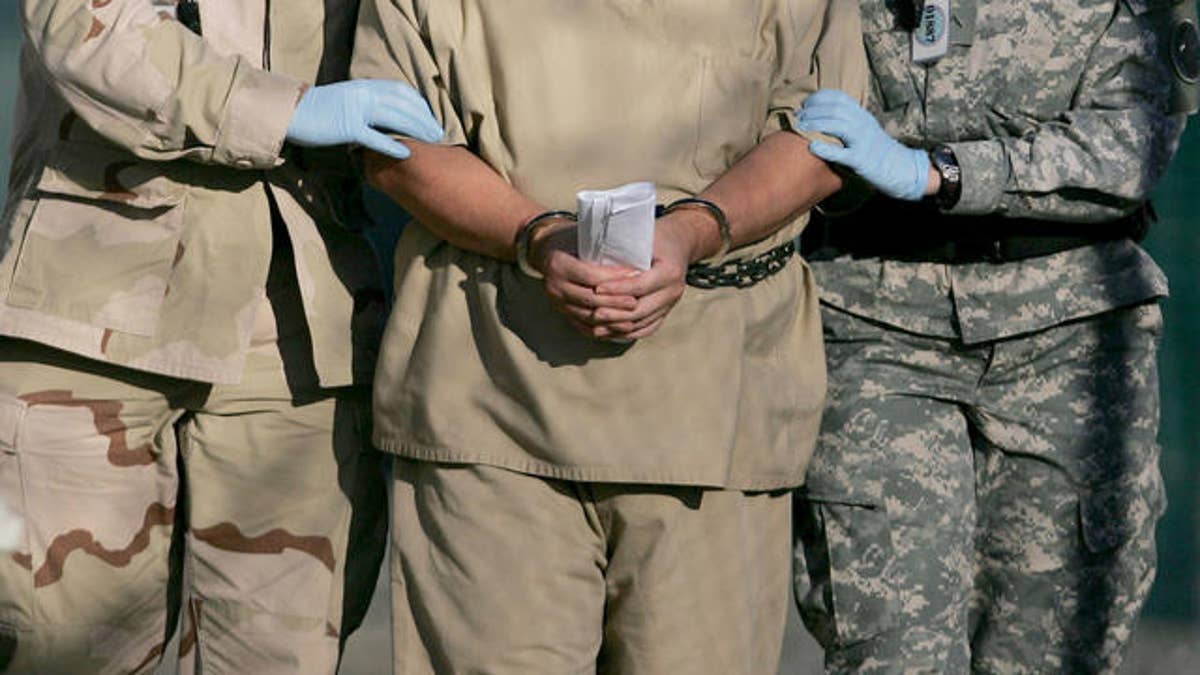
(986, 485)
(188, 322)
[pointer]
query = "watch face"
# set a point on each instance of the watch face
(947, 166)
(1185, 51)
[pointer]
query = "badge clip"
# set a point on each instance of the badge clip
(931, 37)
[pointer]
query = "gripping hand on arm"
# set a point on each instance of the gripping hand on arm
(360, 111)
(894, 169)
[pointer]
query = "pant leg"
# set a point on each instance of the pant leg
(884, 527)
(696, 580)
(275, 485)
(494, 572)
(1069, 495)
(88, 459)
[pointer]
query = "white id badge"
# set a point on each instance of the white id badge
(931, 37)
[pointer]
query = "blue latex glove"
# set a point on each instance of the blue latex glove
(894, 169)
(359, 111)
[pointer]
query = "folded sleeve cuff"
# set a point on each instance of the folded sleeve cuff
(985, 173)
(256, 119)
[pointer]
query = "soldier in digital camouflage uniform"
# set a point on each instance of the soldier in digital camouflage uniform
(188, 324)
(986, 485)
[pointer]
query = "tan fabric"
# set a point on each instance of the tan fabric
(284, 508)
(138, 228)
(477, 366)
(499, 572)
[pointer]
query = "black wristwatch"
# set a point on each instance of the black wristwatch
(946, 164)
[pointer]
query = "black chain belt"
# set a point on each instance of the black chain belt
(741, 273)
(894, 230)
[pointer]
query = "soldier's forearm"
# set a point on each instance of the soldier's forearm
(1096, 160)
(1100, 166)
(150, 85)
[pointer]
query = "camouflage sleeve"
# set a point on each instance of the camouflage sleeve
(391, 44)
(1099, 159)
(139, 77)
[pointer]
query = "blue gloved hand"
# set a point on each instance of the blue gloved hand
(894, 169)
(359, 111)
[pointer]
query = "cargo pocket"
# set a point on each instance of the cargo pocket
(1115, 512)
(734, 101)
(101, 243)
(16, 576)
(844, 559)
(1101, 591)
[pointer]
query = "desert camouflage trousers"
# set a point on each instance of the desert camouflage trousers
(257, 516)
(984, 508)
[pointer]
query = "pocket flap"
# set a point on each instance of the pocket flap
(842, 497)
(1111, 513)
(108, 174)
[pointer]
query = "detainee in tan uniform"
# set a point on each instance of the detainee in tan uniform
(187, 327)
(565, 502)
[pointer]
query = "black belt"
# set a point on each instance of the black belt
(741, 273)
(894, 230)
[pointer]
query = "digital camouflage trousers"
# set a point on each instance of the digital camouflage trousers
(984, 508)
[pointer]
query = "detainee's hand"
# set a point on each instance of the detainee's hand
(362, 112)
(571, 283)
(656, 290)
(895, 169)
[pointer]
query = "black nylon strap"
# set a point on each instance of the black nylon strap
(188, 14)
(895, 230)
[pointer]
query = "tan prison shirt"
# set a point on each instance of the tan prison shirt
(477, 366)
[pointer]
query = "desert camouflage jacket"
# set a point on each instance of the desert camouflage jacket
(147, 163)
(1056, 110)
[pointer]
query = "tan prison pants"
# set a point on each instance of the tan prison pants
(500, 572)
(257, 511)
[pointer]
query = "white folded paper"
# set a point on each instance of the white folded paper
(616, 227)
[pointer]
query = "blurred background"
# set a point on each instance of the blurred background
(1168, 639)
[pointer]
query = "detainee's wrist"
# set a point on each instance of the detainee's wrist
(692, 227)
(707, 227)
(531, 237)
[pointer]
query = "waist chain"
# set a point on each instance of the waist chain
(740, 273)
